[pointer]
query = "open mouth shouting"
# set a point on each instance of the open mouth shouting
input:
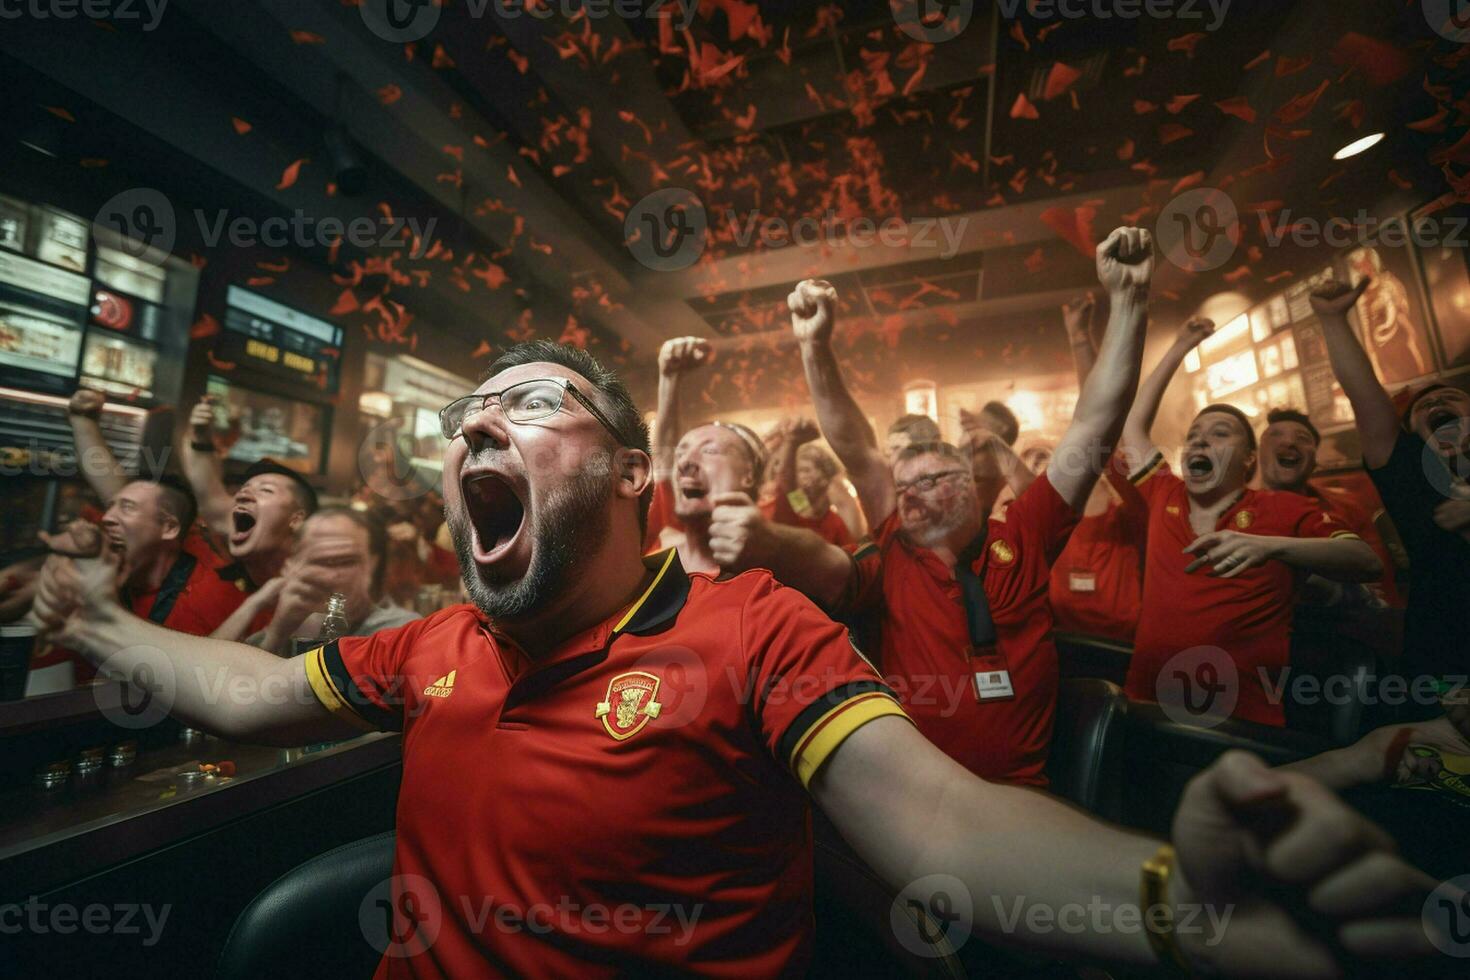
(243, 521)
(1199, 466)
(1290, 458)
(497, 514)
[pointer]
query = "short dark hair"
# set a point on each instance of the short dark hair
(1245, 423)
(1293, 415)
(919, 428)
(303, 491)
(1010, 425)
(177, 501)
(935, 448)
(377, 536)
(608, 391)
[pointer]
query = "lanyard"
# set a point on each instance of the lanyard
(972, 589)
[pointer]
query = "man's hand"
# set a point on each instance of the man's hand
(1250, 840)
(1195, 332)
(800, 431)
(1336, 300)
(1125, 262)
(1077, 317)
(683, 354)
(201, 420)
(1454, 516)
(73, 588)
(813, 306)
(737, 532)
(1231, 552)
(86, 403)
(18, 588)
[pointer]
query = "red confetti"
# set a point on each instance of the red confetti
(1290, 66)
(1258, 60)
(441, 57)
(241, 126)
(205, 326)
(1377, 61)
(1125, 152)
(346, 303)
(1059, 81)
(1023, 109)
(1173, 133)
(307, 37)
(1187, 43)
(389, 94)
(1178, 103)
(1301, 106)
(1074, 226)
(291, 174)
(60, 113)
(1238, 107)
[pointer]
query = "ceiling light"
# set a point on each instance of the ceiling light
(1358, 146)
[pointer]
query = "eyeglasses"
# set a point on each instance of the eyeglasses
(925, 484)
(524, 402)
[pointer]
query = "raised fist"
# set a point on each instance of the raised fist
(1336, 299)
(801, 431)
(1193, 333)
(1126, 260)
(737, 532)
(201, 419)
(86, 403)
(683, 353)
(813, 305)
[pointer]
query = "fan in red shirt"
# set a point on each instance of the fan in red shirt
(1289, 445)
(962, 600)
(804, 475)
(1225, 562)
(606, 763)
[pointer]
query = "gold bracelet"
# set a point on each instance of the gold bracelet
(1155, 894)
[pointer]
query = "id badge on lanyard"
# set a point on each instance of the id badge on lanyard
(990, 675)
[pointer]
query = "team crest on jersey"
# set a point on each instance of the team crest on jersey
(1001, 552)
(1173, 510)
(1244, 519)
(631, 702)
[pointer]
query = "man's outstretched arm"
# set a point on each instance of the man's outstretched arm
(202, 469)
(1137, 441)
(233, 690)
(1244, 835)
(813, 306)
(94, 456)
(1125, 266)
(1378, 423)
(675, 358)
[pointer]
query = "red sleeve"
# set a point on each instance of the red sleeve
(814, 686)
(1134, 507)
(1309, 520)
(660, 515)
(360, 678)
(865, 589)
(1040, 518)
(1154, 480)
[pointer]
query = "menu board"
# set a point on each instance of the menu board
(40, 322)
(273, 339)
(134, 276)
(63, 239)
(14, 220)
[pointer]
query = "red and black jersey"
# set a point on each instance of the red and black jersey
(1247, 616)
(1097, 583)
(926, 638)
(654, 762)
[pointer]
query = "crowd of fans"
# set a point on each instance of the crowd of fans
(953, 563)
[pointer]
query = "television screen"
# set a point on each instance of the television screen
(33, 340)
(117, 367)
(250, 425)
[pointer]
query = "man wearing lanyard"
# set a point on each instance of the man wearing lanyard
(966, 625)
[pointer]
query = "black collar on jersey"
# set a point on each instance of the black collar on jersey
(236, 575)
(172, 587)
(660, 603)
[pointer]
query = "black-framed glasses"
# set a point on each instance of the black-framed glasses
(925, 484)
(524, 402)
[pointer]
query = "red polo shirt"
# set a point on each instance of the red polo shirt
(1097, 583)
(830, 527)
(926, 638)
(1359, 508)
(1247, 616)
(205, 601)
(633, 804)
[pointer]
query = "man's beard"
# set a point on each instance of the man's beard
(566, 526)
(935, 533)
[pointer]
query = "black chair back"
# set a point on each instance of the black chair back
(1086, 761)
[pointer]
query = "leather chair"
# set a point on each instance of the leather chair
(1333, 671)
(1162, 755)
(1079, 655)
(1086, 761)
(305, 924)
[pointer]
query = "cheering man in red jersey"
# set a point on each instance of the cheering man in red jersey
(614, 779)
(1224, 562)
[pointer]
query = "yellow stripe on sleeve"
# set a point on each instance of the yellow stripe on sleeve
(326, 692)
(832, 729)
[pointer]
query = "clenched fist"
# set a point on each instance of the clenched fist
(1126, 260)
(813, 306)
(201, 419)
(738, 534)
(1336, 299)
(86, 403)
(683, 353)
(1194, 333)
